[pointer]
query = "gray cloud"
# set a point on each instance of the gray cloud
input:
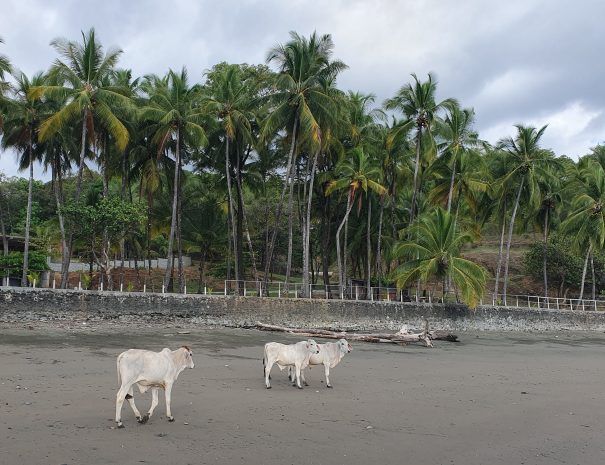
(530, 61)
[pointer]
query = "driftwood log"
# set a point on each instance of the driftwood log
(404, 336)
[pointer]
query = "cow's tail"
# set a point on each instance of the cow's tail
(118, 368)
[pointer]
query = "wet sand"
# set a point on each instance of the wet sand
(491, 399)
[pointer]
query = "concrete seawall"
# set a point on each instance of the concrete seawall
(24, 304)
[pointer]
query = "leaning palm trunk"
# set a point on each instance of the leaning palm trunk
(511, 227)
(544, 252)
(416, 169)
(290, 221)
(451, 192)
(271, 247)
(307, 231)
(57, 190)
(378, 269)
(175, 190)
(179, 242)
(338, 253)
(588, 252)
(28, 215)
(232, 211)
(500, 250)
(594, 284)
(369, 245)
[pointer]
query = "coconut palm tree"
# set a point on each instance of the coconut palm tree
(22, 121)
(587, 218)
(175, 118)
(416, 101)
(81, 82)
(435, 253)
(5, 68)
(355, 173)
(526, 165)
(300, 104)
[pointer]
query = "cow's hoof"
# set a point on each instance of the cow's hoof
(268, 387)
(120, 425)
(170, 419)
(144, 419)
(329, 386)
(299, 387)
(305, 383)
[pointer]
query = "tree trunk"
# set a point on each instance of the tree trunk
(500, 250)
(369, 245)
(29, 210)
(325, 242)
(175, 194)
(451, 191)
(416, 169)
(290, 221)
(242, 209)
(584, 271)
(2, 228)
(307, 226)
(511, 228)
(291, 157)
(58, 191)
(544, 251)
(179, 243)
(338, 253)
(232, 211)
(594, 284)
(378, 269)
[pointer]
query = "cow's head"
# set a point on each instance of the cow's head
(188, 357)
(312, 346)
(344, 346)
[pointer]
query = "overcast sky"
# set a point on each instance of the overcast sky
(515, 61)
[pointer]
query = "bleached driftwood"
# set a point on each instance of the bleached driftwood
(404, 336)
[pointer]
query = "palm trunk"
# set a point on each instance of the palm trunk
(175, 192)
(594, 284)
(325, 243)
(179, 243)
(451, 191)
(588, 252)
(378, 269)
(544, 251)
(2, 228)
(501, 248)
(57, 189)
(232, 211)
(290, 221)
(307, 227)
(416, 169)
(369, 246)
(338, 253)
(242, 207)
(291, 157)
(511, 228)
(29, 212)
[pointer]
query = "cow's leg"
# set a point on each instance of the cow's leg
(291, 375)
(120, 396)
(327, 372)
(130, 399)
(168, 393)
(302, 375)
(268, 365)
(154, 403)
(298, 376)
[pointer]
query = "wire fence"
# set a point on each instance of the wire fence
(146, 283)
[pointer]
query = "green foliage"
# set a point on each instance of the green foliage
(13, 263)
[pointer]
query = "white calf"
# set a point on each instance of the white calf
(291, 355)
(149, 370)
(330, 355)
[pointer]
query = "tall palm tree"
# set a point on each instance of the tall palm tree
(416, 101)
(23, 118)
(355, 173)
(5, 68)
(81, 74)
(526, 163)
(435, 253)
(587, 218)
(300, 103)
(177, 119)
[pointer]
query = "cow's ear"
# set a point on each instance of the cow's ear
(307, 345)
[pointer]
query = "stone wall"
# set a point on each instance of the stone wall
(23, 304)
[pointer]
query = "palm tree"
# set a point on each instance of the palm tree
(176, 118)
(587, 219)
(417, 103)
(21, 125)
(435, 253)
(526, 164)
(302, 105)
(82, 76)
(229, 101)
(5, 68)
(355, 173)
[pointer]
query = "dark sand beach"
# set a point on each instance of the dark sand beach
(513, 398)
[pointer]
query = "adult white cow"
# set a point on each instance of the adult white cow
(288, 355)
(149, 370)
(330, 355)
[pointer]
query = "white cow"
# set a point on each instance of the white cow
(288, 355)
(149, 370)
(330, 355)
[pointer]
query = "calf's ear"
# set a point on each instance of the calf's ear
(307, 345)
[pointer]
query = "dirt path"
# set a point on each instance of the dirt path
(493, 399)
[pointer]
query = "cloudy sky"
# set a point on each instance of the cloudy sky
(515, 61)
